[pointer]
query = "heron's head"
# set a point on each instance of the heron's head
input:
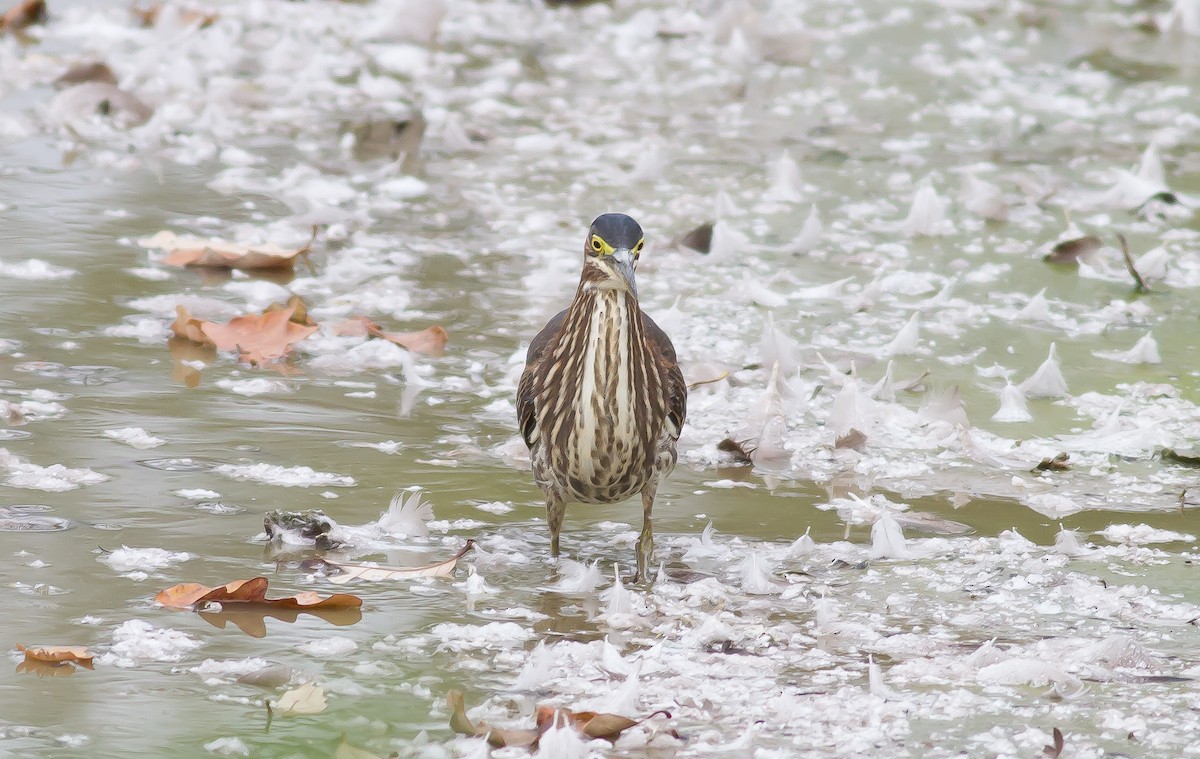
(612, 248)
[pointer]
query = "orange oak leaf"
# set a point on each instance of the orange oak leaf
(252, 592)
(188, 327)
(220, 254)
(430, 341)
(299, 315)
(259, 339)
(58, 654)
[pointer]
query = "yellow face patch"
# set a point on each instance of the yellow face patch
(599, 246)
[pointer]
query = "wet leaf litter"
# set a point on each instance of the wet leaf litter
(873, 638)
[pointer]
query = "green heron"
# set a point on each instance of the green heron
(601, 401)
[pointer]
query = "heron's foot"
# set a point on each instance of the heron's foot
(645, 556)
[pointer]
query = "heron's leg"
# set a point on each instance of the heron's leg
(556, 509)
(645, 543)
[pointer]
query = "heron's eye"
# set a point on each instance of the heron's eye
(597, 244)
(637, 249)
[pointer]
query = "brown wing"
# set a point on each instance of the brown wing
(675, 387)
(526, 389)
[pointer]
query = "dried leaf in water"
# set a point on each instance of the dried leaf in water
(1139, 284)
(22, 15)
(299, 311)
(148, 17)
(220, 254)
(305, 699)
(430, 341)
(252, 592)
(853, 439)
(258, 339)
(58, 654)
(346, 751)
(1179, 457)
(189, 327)
(497, 738)
(1056, 464)
(592, 724)
(699, 239)
(351, 572)
(86, 71)
(741, 451)
(1070, 251)
(1055, 751)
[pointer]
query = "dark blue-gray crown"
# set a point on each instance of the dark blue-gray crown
(617, 229)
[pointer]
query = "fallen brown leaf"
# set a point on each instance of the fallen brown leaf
(86, 71)
(258, 339)
(189, 327)
(252, 592)
(308, 698)
(741, 451)
(698, 239)
(430, 341)
(350, 572)
(1056, 464)
(1070, 251)
(592, 724)
(23, 14)
(1055, 751)
(498, 738)
(220, 254)
(148, 16)
(58, 654)
(299, 314)
(853, 439)
(1186, 458)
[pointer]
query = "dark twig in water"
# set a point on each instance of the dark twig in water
(1140, 285)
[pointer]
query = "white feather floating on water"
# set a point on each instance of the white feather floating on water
(1144, 351)
(562, 741)
(703, 547)
(875, 682)
(982, 198)
(851, 410)
(776, 348)
(537, 670)
(755, 577)
(887, 539)
(786, 183)
(650, 164)
(907, 339)
(1047, 381)
(1036, 310)
(927, 215)
(1153, 265)
(407, 515)
(802, 546)
(1133, 188)
(623, 700)
(723, 206)
(579, 577)
(727, 242)
(616, 597)
(810, 233)
(1184, 17)
(1012, 406)
(884, 389)
(1067, 543)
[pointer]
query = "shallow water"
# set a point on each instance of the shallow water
(678, 114)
